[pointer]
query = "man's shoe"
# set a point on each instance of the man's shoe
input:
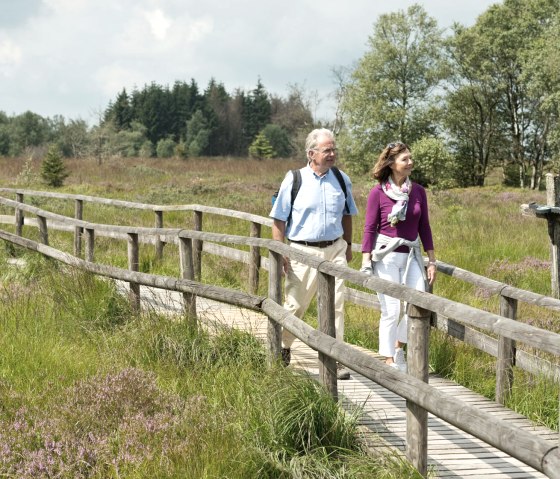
(341, 372)
(286, 356)
(400, 361)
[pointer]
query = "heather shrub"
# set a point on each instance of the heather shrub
(99, 427)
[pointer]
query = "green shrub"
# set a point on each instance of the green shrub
(434, 165)
(261, 148)
(165, 148)
(53, 170)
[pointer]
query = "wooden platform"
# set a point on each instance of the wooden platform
(452, 453)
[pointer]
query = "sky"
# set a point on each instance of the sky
(71, 57)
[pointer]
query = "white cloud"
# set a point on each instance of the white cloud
(66, 5)
(158, 22)
(149, 33)
(10, 57)
(112, 78)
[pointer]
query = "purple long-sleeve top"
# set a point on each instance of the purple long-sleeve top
(417, 222)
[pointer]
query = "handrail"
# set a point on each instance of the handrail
(530, 335)
(488, 284)
(142, 206)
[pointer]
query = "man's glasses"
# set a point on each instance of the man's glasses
(327, 151)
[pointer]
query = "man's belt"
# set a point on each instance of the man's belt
(316, 244)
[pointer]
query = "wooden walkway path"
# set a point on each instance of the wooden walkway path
(452, 453)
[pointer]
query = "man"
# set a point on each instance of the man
(320, 223)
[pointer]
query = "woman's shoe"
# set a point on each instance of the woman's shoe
(399, 360)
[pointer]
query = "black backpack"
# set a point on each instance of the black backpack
(296, 185)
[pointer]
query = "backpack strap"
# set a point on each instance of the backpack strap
(340, 179)
(296, 185)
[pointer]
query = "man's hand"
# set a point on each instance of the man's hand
(349, 253)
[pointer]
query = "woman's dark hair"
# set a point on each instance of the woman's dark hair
(381, 170)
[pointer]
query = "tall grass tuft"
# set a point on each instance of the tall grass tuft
(307, 419)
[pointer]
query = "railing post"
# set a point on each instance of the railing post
(553, 199)
(326, 311)
(90, 244)
(418, 367)
(78, 230)
(274, 331)
(254, 259)
(19, 215)
(197, 247)
(133, 265)
(187, 272)
(506, 353)
(159, 243)
(43, 230)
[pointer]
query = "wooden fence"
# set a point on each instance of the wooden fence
(458, 319)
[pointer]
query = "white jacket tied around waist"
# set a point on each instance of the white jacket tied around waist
(385, 245)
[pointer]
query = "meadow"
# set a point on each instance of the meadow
(88, 389)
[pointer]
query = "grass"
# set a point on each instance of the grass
(98, 392)
(477, 229)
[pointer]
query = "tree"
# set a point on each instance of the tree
(293, 115)
(53, 170)
(473, 113)
(185, 100)
(165, 148)
(279, 140)
(127, 143)
(507, 37)
(434, 165)
(391, 93)
(261, 148)
(28, 130)
(5, 137)
(235, 118)
(473, 121)
(542, 73)
(256, 113)
(121, 112)
(154, 108)
(217, 101)
(198, 134)
(72, 137)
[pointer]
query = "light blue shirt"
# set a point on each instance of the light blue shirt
(318, 208)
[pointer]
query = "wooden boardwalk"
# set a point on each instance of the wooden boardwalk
(452, 453)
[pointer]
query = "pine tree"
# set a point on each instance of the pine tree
(53, 170)
(261, 148)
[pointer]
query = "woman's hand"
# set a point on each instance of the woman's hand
(431, 272)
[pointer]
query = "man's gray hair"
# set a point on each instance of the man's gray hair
(312, 138)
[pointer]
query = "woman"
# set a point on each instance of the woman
(396, 221)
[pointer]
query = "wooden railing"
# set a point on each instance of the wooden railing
(421, 397)
(509, 297)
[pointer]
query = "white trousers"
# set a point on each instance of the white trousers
(301, 286)
(391, 330)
